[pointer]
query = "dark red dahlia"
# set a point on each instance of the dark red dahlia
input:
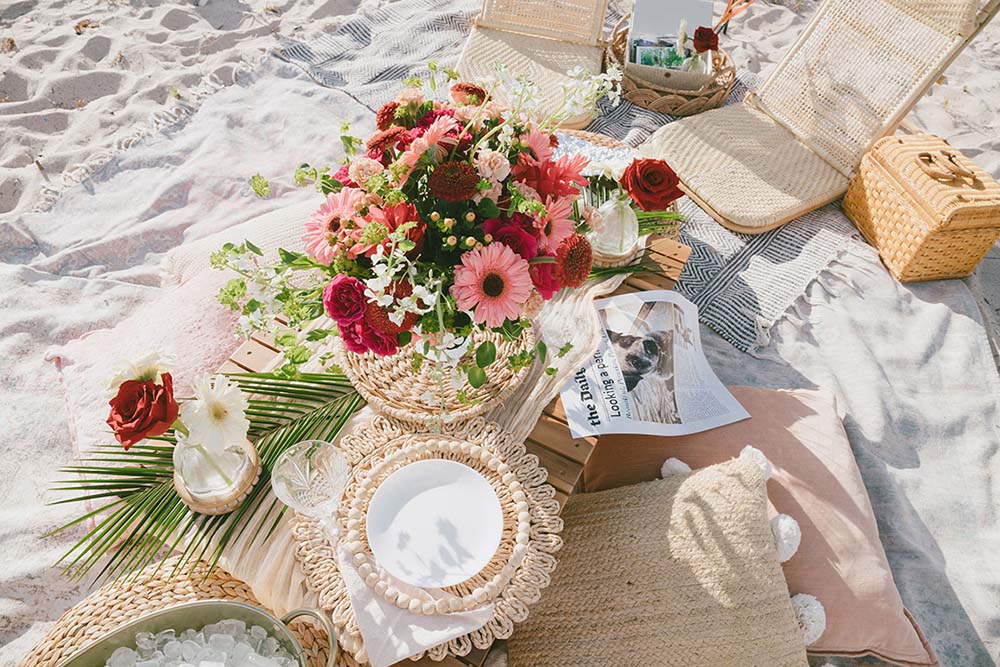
(384, 139)
(386, 116)
(573, 261)
(377, 317)
(453, 181)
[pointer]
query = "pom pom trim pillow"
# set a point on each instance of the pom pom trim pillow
(676, 572)
(816, 481)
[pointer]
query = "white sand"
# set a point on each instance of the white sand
(68, 99)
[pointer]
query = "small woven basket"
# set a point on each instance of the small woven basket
(663, 99)
(116, 604)
(395, 388)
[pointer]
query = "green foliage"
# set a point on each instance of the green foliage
(260, 186)
(142, 520)
(477, 377)
(486, 354)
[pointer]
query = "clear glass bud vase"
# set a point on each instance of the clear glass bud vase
(214, 480)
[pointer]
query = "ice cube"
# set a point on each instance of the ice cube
(210, 629)
(240, 653)
(165, 636)
(235, 628)
(152, 662)
(188, 634)
(269, 647)
(122, 657)
(211, 663)
(172, 649)
(220, 642)
(189, 649)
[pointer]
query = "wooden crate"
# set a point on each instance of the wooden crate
(562, 455)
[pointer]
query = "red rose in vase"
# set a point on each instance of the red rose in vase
(652, 184)
(705, 39)
(142, 408)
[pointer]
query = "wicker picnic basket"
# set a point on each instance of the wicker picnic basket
(931, 212)
(673, 101)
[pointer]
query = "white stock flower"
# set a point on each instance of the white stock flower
(491, 165)
(612, 169)
(150, 366)
(216, 416)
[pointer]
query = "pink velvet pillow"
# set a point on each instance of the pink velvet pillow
(816, 481)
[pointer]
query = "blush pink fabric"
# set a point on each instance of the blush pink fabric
(816, 481)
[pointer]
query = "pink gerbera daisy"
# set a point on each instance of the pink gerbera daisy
(540, 144)
(328, 226)
(495, 281)
(556, 224)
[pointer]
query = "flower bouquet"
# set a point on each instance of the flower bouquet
(440, 237)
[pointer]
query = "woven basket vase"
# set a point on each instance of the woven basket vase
(396, 386)
(664, 99)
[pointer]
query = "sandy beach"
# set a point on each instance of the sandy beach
(84, 82)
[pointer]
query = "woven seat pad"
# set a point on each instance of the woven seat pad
(157, 587)
(681, 571)
(544, 61)
(753, 172)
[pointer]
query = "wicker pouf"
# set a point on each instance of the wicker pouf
(114, 605)
(663, 99)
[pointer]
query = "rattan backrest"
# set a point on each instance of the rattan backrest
(859, 66)
(578, 21)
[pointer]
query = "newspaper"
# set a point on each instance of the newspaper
(649, 374)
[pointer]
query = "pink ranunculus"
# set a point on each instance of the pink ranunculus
(344, 299)
(543, 277)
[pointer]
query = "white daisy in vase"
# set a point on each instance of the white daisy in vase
(216, 416)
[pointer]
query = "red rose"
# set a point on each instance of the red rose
(513, 236)
(344, 299)
(543, 277)
(705, 39)
(652, 184)
(142, 409)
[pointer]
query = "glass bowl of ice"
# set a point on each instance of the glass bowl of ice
(212, 633)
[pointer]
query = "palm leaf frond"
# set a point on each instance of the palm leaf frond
(144, 519)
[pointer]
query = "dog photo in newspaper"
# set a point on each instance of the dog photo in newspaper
(644, 349)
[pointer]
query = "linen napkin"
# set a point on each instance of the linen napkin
(392, 634)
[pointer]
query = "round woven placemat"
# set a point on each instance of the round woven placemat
(602, 140)
(367, 450)
(116, 604)
(670, 101)
(393, 388)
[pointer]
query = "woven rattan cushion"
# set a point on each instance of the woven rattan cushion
(857, 65)
(681, 571)
(752, 171)
(544, 61)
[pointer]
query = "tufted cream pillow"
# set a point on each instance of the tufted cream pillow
(681, 571)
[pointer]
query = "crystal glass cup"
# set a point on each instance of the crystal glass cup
(310, 477)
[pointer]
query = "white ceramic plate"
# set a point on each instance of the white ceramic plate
(434, 523)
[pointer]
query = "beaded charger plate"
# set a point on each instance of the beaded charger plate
(398, 387)
(516, 574)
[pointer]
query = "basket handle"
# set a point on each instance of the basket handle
(942, 165)
(324, 621)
